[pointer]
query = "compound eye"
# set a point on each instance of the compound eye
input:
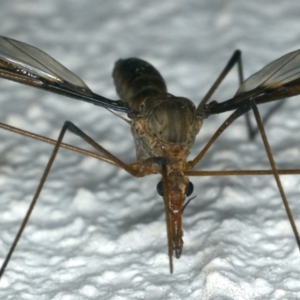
(189, 189)
(160, 189)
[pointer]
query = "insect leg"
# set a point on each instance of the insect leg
(236, 58)
(54, 142)
(71, 127)
(275, 172)
(237, 113)
(252, 132)
(191, 164)
(241, 172)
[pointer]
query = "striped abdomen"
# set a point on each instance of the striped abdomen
(136, 80)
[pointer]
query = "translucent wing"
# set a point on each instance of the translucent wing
(278, 80)
(26, 64)
(276, 74)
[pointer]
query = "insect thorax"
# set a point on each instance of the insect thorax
(165, 127)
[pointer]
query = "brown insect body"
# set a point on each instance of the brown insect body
(164, 126)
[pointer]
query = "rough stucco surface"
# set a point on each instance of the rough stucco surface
(98, 233)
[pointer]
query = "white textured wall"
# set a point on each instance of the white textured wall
(96, 232)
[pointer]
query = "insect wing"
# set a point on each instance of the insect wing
(279, 79)
(26, 64)
(276, 74)
(25, 61)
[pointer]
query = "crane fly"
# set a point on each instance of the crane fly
(164, 127)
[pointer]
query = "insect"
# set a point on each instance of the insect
(164, 126)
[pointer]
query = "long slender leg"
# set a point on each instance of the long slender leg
(226, 123)
(74, 129)
(71, 127)
(275, 172)
(103, 158)
(254, 131)
(54, 142)
(241, 172)
(191, 164)
(235, 58)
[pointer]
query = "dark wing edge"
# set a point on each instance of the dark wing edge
(28, 65)
(278, 80)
